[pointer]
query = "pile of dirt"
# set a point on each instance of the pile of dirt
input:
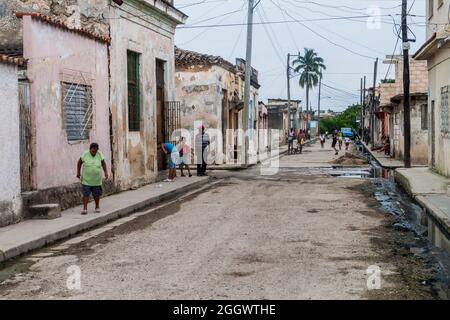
(350, 159)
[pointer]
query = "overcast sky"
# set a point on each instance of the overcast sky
(339, 33)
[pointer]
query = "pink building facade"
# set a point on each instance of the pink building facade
(69, 83)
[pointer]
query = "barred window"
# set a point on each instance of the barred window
(134, 94)
(424, 116)
(445, 115)
(77, 108)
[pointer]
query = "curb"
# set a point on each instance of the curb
(84, 226)
(436, 214)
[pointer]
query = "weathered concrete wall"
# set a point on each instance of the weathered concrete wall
(201, 93)
(419, 137)
(152, 36)
(77, 13)
(439, 77)
(10, 201)
(57, 55)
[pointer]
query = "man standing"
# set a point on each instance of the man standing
(172, 159)
(201, 144)
(91, 178)
(291, 135)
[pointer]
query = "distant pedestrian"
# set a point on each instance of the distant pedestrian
(201, 149)
(184, 151)
(322, 140)
(172, 159)
(334, 141)
(347, 143)
(291, 136)
(340, 139)
(92, 161)
(301, 139)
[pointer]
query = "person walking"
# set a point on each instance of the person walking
(184, 151)
(201, 145)
(291, 135)
(334, 141)
(347, 143)
(92, 161)
(340, 138)
(322, 140)
(301, 139)
(172, 159)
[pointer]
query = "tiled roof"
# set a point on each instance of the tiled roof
(185, 58)
(61, 24)
(12, 60)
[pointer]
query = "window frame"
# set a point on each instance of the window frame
(134, 121)
(90, 106)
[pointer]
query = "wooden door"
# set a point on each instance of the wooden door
(25, 137)
(160, 114)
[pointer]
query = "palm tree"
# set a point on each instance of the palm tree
(310, 67)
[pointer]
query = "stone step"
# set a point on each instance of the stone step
(45, 211)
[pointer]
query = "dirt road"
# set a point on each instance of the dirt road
(294, 235)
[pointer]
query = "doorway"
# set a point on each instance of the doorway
(160, 113)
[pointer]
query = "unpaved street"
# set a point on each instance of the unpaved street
(296, 235)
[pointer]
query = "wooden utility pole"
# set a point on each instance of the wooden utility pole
(406, 85)
(318, 107)
(248, 77)
(364, 103)
(372, 111)
(288, 76)
(361, 124)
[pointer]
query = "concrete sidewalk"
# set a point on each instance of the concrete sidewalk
(430, 190)
(32, 234)
(384, 160)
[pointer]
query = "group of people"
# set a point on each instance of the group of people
(339, 139)
(92, 162)
(179, 155)
(301, 136)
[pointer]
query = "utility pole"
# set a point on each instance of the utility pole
(318, 107)
(406, 85)
(361, 124)
(248, 75)
(372, 114)
(288, 76)
(364, 102)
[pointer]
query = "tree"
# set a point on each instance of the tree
(310, 67)
(347, 119)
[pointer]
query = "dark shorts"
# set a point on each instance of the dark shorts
(334, 143)
(96, 191)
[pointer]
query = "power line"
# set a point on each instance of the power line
(323, 37)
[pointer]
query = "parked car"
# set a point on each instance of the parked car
(347, 132)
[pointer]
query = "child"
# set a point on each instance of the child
(184, 153)
(347, 143)
(322, 140)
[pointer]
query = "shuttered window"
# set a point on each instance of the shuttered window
(134, 94)
(77, 107)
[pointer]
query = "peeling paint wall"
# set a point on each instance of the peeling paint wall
(55, 55)
(150, 34)
(88, 14)
(200, 91)
(419, 137)
(10, 200)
